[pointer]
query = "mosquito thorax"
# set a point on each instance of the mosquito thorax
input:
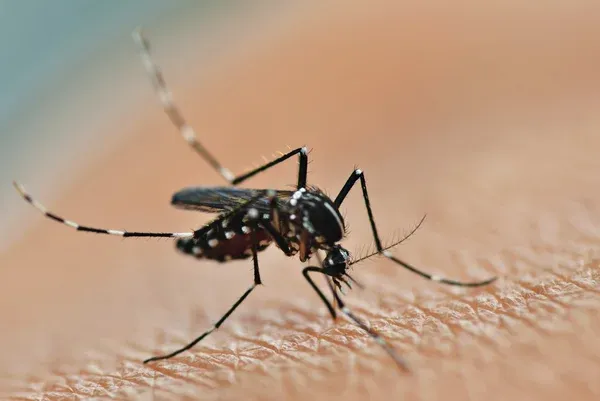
(313, 212)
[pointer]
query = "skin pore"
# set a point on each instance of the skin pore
(484, 119)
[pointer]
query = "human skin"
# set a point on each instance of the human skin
(486, 119)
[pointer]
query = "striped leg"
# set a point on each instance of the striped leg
(359, 175)
(328, 304)
(166, 99)
(216, 326)
(374, 335)
(79, 227)
(346, 311)
(329, 281)
(188, 133)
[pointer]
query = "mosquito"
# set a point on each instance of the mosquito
(300, 222)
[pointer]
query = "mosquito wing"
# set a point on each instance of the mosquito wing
(220, 199)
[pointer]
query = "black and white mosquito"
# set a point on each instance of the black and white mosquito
(304, 221)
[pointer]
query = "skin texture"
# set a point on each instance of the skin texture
(485, 119)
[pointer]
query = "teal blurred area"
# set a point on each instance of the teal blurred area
(68, 68)
(42, 40)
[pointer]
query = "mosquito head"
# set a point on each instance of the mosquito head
(317, 215)
(336, 262)
(336, 266)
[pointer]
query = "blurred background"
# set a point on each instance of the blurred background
(482, 115)
(69, 73)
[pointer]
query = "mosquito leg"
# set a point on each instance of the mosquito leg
(195, 234)
(305, 272)
(188, 132)
(359, 175)
(351, 315)
(95, 230)
(277, 237)
(327, 278)
(346, 311)
(272, 226)
(332, 289)
(257, 282)
(171, 109)
(302, 169)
